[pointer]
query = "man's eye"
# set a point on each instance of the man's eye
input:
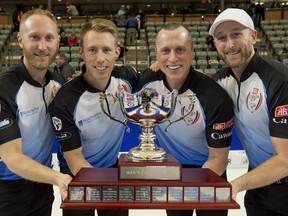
(221, 38)
(180, 50)
(106, 50)
(34, 37)
(236, 34)
(164, 51)
(49, 38)
(92, 50)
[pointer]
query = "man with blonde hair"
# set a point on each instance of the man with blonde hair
(26, 135)
(89, 138)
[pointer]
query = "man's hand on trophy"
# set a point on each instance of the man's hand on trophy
(63, 181)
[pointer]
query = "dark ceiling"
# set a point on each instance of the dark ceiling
(53, 2)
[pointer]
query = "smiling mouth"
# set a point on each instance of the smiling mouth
(42, 55)
(101, 67)
(232, 53)
(175, 67)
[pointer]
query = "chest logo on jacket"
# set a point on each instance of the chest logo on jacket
(192, 118)
(254, 100)
(29, 112)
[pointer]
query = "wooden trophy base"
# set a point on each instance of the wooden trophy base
(101, 188)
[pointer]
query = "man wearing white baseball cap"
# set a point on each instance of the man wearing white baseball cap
(232, 14)
(259, 90)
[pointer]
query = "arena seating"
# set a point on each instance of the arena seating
(273, 34)
(276, 34)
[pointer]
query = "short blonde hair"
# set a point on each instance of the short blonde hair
(99, 25)
(36, 11)
(174, 26)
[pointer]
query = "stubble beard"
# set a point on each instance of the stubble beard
(39, 65)
(246, 52)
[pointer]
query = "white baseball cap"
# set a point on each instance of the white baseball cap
(232, 14)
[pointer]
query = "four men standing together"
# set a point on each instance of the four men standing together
(258, 98)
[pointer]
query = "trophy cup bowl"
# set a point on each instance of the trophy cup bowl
(147, 108)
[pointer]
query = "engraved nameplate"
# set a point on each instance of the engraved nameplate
(110, 193)
(191, 194)
(150, 172)
(169, 169)
(159, 194)
(126, 193)
(206, 194)
(93, 194)
(175, 194)
(142, 194)
(76, 193)
(223, 194)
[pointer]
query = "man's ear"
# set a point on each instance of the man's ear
(20, 40)
(81, 52)
(254, 36)
(59, 38)
(118, 51)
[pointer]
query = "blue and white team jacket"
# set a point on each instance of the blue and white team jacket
(209, 125)
(24, 114)
(260, 105)
(80, 122)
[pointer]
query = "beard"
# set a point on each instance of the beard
(39, 65)
(245, 52)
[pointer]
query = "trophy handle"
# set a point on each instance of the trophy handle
(103, 97)
(174, 95)
(122, 91)
(191, 97)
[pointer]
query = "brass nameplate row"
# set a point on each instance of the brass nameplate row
(101, 188)
(164, 194)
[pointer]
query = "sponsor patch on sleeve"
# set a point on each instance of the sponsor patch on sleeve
(281, 111)
(57, 123)
(63, 136)
(5, 123)
(223, 125)
(219, 126)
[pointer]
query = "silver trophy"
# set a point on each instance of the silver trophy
(147, 108)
